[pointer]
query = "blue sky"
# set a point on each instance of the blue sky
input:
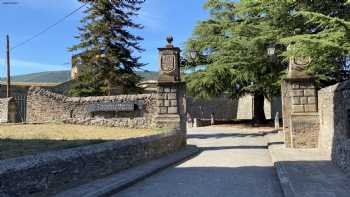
(49, 51)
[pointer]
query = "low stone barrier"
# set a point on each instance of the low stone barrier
(43, 174)
(46, 106)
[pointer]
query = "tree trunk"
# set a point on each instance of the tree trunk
(259, 113)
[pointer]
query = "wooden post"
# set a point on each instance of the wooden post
(8, 66)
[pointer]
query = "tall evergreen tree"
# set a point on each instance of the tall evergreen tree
(106, 48)
(325, 38)
(233, 42)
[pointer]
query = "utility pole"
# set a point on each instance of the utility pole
(8, 66)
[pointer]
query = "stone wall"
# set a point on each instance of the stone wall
(286, 109)
(245, 108)
(46, 106)
(226, 108)
(223, 107)
(327, 116)
(7, 110)
(43, 174)
(335, 123)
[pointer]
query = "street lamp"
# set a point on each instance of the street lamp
(193, 54)
(238, 86)
(271, 50)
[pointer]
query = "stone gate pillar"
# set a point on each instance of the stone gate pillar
(171, 92)
(300, 106)
(8, 109)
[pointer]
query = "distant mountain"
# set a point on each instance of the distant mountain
(43, 77)
(149, 75)
(62, 76)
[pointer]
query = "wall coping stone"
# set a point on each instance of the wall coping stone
(6, 99)
(336, 88)
(129, 97)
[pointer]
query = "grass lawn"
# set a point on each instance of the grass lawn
(27, 139)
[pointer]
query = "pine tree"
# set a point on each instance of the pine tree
(106, 48)
(233, 49)
(233, 42)
(326, 39)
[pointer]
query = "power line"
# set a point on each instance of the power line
(48, 28)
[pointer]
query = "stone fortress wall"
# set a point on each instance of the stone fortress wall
(226, 108)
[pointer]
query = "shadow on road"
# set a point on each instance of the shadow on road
(231, 148)
(247, 181)
(223, 135)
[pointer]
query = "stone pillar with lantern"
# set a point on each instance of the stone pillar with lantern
(171, 91)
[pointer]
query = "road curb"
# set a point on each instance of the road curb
(284, 180)
(115, 183)
(285, 183)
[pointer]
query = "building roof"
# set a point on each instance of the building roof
(29, 84)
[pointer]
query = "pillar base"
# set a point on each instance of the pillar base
(304, 130)
(170, 121)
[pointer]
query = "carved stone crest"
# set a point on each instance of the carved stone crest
(169, 57)
(302, 61)
(168, 63)
(297, 67)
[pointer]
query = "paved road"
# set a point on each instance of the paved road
(233, 163)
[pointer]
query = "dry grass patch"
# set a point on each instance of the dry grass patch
(27, 139)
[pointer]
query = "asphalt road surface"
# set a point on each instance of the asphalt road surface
(233, 163)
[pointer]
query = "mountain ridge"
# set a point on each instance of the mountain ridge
(63, 76)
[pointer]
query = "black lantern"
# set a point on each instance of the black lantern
(271, 49)
(193, 54)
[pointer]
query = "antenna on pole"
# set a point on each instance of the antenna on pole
(8, 92)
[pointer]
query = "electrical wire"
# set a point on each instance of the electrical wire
(48, 28)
